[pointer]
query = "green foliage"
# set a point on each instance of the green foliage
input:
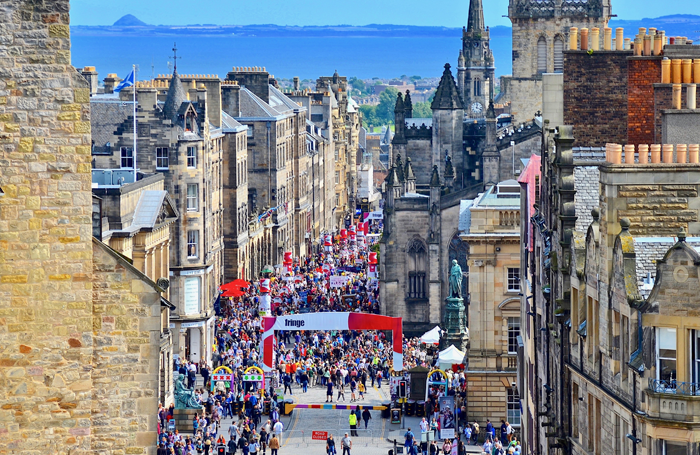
(416, 78)
(359, 86)
(422, 110)
(369, 116)
(387, 102)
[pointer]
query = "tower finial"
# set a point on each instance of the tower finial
(475, 23)
(175, 57)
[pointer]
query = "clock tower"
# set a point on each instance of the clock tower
(476, 70)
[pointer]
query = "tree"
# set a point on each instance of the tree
(369, 116)
(422, 110)
(358, 85)
(387, 102)
(416, 78)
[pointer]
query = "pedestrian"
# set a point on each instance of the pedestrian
(274, 445)
(509, 432)
(278, 427)
(361, 389)
(162, 450)
(287, 383)
(408, 436)
(352, 420)
(329, 391)
(253, 447)
(346, 442)
(433, 448)
(366, 416)
(504, 432)
(468, 433)
(424, 425)
(414, 449)
(232, 446)
(341, 390)
(447, 447)
(330, 445)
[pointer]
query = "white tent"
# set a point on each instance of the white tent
(450, 356)
(432, 336)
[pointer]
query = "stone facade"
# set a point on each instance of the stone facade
(46, 257)
(493, 239)
(540, 35)
(594, 375)
(475, 70)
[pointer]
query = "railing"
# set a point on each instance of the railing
(305, 438)
(674, 387)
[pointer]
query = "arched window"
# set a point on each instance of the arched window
(417, 266)
(477, 87)
(558, 55)
(542, 55)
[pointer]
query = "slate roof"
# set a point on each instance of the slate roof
(281, 102)
(465, 216)
(447, 94)
(176, 96)
(230, 124)
(254, 107)
(647, 251)
(106, 115)
(148, 208)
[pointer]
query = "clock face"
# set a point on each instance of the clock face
(477, 108)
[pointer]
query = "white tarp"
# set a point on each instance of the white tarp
(432, 336)
(451, 356)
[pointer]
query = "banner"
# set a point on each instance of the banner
(376, 215)
(447, 418)
(332, 321)
(338, 281)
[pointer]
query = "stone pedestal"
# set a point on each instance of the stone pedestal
(183, 419)
(456, 331)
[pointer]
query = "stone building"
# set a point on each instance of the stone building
(490, 227)
(540, 36)
(82, 330)
(179, 135)
(611, 315)
(475, 70)
(276, 149)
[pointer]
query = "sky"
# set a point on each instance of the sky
(448, 13)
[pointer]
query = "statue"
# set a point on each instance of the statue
(455, 280)
(184, 397)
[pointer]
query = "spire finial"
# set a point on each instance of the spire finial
(682, 234)
(175, 57)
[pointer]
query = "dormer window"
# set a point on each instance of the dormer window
(189, 123)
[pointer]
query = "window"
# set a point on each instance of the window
(575, 414)
(249, 132)
(513, 279)
(192, 244)
(558, 55)
(513, 333)
(192, 197)
(337, 177)
(417, 266)
(191, 156)
(162, 158)
(513, 407)
(127, 155)
(542, 55)
(674, 448)
(666, 354)
(477, 87)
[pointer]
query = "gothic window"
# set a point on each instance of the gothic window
(459, 250)
(477, 87)
(558, 55)
(542, 55)
(417, 267)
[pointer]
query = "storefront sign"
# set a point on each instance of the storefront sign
(191, 295)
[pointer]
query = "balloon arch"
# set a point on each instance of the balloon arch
(331, 321)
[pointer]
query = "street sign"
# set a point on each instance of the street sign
(319, 435)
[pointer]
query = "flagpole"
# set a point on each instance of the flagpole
(133, 67)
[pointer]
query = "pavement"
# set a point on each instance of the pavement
(377, 439)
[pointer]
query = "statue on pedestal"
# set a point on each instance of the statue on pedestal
(184, 397)
(455, 324)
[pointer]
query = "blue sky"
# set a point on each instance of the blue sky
(450, 13)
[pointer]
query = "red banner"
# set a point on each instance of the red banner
(319, 435)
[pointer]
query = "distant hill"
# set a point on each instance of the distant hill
(129, 21)
(674, 25)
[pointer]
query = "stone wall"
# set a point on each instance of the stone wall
(125, 375)
(525, 96)
(45, 236)
(586, 183)
(595, 96)
(657, 209)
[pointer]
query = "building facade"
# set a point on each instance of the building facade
(475, 70)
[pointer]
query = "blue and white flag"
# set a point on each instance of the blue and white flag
(128, 82)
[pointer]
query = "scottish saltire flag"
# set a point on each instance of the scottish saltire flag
(128, 82)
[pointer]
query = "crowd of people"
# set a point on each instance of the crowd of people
(345, 363)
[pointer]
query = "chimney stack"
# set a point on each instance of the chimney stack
(90, 75)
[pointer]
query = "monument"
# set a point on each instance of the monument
(186, 405)
(456, 331)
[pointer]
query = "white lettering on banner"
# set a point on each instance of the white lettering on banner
(376, 215)
(189, 325)
(191, 295)
(313, 321)
(338, 281)
(191, 272)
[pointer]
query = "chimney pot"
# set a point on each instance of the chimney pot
(681, 153)
(676, 73)
(693, 153)
(687, 69)
(629, 154)
(643, 150)
(595, 39)
(655, 153)
(666, 71)
(584, 39)
(573, 38)
(658, 44)
(607, 39)
(691, 93)
(647, 45)
(616, 154)
(628, 44)
(677, 94)
(667, 153)
(619, 38)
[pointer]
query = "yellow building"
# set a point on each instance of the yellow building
(492, 231)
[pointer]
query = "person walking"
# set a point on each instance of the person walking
(408, 436)
(346, 442)
(330, 445)
(274, 445)
(329, 391)
(353, 423)
(447, 447)
(341, 390)
(366, 416)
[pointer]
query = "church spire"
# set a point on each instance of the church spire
(476, 16)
